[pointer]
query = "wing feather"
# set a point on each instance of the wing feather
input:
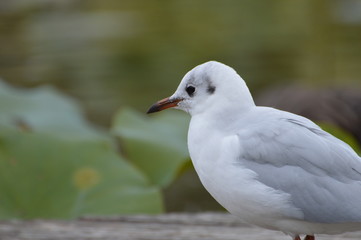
(321, 173)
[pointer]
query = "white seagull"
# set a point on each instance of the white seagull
(271, 168)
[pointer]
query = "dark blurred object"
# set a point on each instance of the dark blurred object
(340, 107)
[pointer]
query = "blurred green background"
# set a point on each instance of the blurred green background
(95, 152)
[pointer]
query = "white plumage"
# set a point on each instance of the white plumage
(271, 168)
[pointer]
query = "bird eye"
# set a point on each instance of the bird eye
(190, 90)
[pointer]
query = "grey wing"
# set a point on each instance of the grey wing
(321, 173)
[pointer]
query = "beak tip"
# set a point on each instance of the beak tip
(163, 104)
(154, 108)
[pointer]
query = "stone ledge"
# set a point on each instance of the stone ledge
(182, 226)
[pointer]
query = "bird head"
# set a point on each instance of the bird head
(205, 87)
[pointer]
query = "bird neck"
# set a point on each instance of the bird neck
(222, 115)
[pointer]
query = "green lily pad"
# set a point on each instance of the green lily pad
(43, 176)
(156, 144)
(54, 164)
(43, 109)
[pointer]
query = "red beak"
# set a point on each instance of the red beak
(163, 104)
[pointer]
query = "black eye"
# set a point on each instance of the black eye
(190, 90)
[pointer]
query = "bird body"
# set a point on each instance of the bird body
(268, 184)
(271, 168)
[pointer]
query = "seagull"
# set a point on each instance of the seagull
(270, 168)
